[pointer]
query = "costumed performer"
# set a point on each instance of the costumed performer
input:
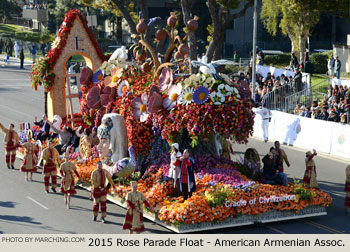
(310, 172)
(347, 191)
(99, 191)
(51, 158)
(68, 184)
(11, 141)
(30, 158)
(134, 216)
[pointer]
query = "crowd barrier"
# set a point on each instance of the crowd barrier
(328, 137)
(337, 82)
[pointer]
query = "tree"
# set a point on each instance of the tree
(121, 8)
(296, 18)
(9, 8)
(59, 9)
(186, 6)
(221, 17)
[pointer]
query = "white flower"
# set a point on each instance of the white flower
(123, 86)
(217, 98)
(56, 42)
(237, 92)
(225, 89)
(173, 96)
(199, 77)
(186, 96)
(187, 81)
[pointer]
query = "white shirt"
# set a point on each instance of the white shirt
(265, 113)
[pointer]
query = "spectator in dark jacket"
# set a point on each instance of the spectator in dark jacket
(324, 114)
(333, 117)
(271, 173)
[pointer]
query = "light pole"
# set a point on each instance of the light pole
(255, 20)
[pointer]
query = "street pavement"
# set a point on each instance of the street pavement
(26, 208)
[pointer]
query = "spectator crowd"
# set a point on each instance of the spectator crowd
(334, 107)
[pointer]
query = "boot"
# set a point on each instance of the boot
(94, 218)
(53, 189)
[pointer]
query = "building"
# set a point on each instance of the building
(239, 36)
(36, 14)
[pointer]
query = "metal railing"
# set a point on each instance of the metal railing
(285, 98)
(275, 99)
(306, 96)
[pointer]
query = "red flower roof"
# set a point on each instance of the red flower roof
(63, 33)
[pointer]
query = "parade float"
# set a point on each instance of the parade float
(152, 103)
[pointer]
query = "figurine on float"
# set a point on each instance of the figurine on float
(11, 141)
(85, 145)
(68, 184)
(51, 159)
(30, 158)
(113, 138)
(134, 216)
(124, 167)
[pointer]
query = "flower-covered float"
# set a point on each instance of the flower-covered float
(161, 103)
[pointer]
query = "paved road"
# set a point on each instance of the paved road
(26, 208)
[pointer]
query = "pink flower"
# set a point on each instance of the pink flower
(173, 96)
(165, 79)
(155, 100)
(139, 105)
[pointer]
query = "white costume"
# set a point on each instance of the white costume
(265, 114)
(16, 47)
(174, 171)
(330, 67)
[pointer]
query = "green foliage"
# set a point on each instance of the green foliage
(301, 192)
(27, 36)
(277, 60)
(210, 29)
(8, 9)
(234, 69)
(46, 36)
(320, 60)
(230, 4)
(295, 18)
(60, 9)
(218, 196)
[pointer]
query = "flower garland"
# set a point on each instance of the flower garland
(41, 69)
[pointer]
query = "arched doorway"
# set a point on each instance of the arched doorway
(75, 39)
(72, 67)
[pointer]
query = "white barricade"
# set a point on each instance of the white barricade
(341, 140)
(307, 133)
(337, 82)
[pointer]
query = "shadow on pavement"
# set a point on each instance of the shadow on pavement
(19, 219)
(7, 89)
(9, 204)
